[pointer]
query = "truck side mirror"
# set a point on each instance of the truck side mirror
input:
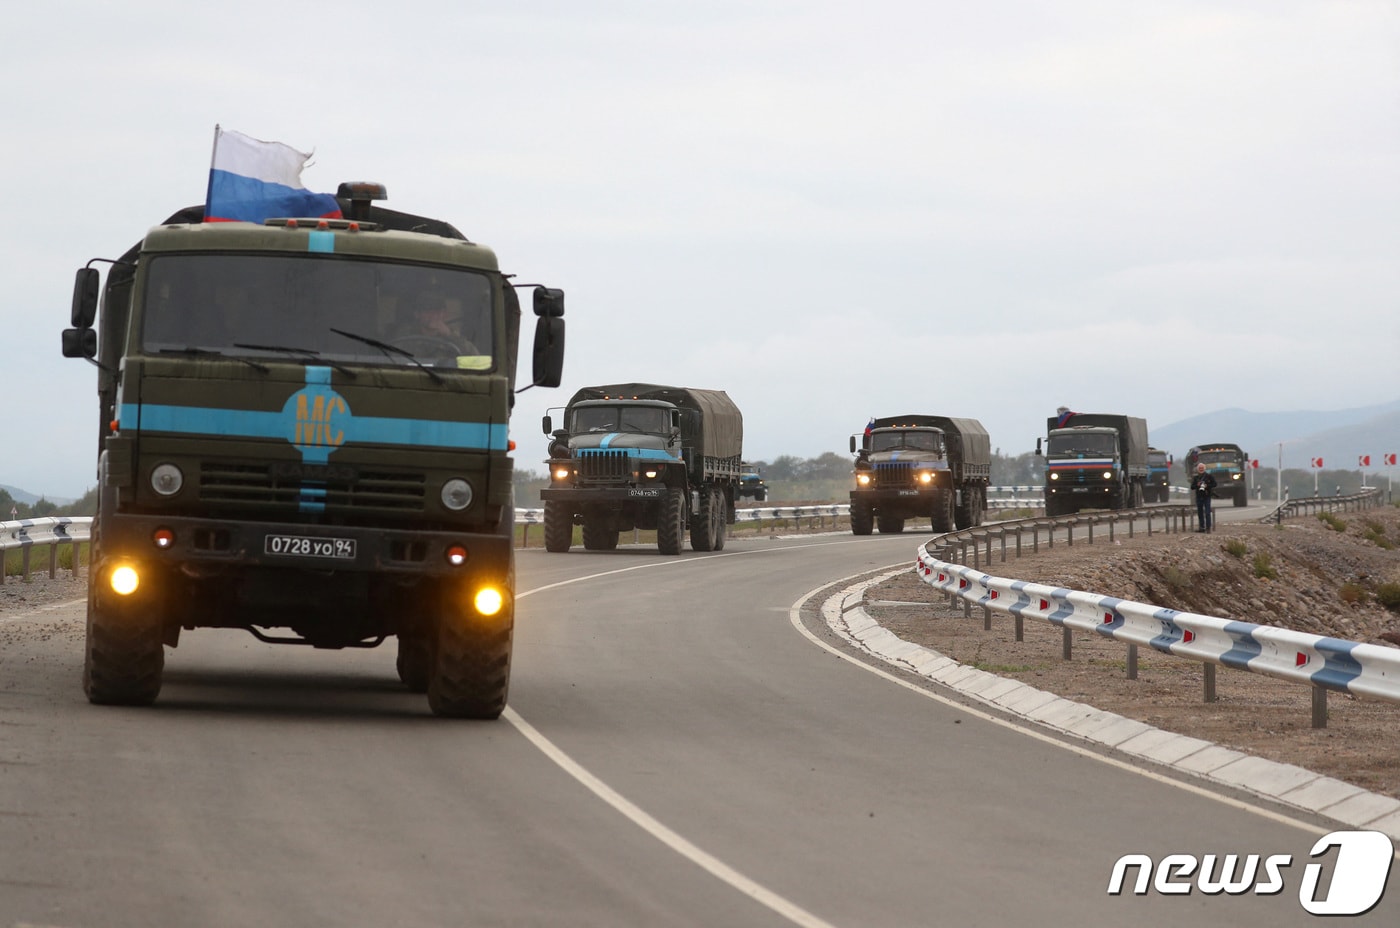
(853, 444)
(549, 302)
(80, 343)
(85, 289)
(1037, 446)
(548, 357)
(548, 424)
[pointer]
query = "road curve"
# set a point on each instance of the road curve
(676, 752)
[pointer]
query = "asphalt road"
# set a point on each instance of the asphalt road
(686, 745)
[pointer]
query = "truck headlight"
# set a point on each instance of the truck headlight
(1235, 476)
(863, 480)
(124, 580)
(925, 477)
(650, 473)
(457, 494)
(167, 479)
(1054, 476)
(561, 473)
(1108, 475)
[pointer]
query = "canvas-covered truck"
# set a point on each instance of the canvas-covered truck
(1094, 461)
(916, 466)
(643, 456)
(1159, 465)
(1226, 462)
(275, 455)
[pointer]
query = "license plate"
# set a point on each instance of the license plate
(644, 492)
(908, 492)
(309, 546)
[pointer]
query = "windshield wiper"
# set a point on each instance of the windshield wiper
(389, 351)
(193, 352)
(309, 353)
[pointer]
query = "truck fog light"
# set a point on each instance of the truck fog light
(163, 538)
(456, 555)
(561, 473)
(649, 474)
(456, 494)
(124, 580)
(489, 600)
(166, 479)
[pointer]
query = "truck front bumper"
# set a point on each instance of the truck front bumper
(576, 495)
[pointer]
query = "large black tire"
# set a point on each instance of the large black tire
(415, 660)
(862, 519)
(721, 520)
(704, 530)
(670, 524)
(942, 518)
(558, 527)
(124, 658)
(979, 505)
(1241, 497)
(599, 536)
(889, 525)
(761, 496)
(470, 669)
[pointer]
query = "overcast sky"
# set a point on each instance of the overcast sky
(831, 210)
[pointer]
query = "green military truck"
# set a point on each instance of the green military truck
(1158, 489)
(643, 456)
(1226, 462)
(751, 483)
(916, 466)
(275, 456)
(1094, 461)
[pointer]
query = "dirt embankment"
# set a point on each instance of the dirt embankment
(1307, 575)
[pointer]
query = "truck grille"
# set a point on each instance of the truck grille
(246, 485)
(604, 465)
(894, 475)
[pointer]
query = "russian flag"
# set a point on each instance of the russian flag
(251, 180)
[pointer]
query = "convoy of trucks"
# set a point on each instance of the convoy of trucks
(919, 466)
(1226, 462)
(1094, 461)
(274, 457)
(643, 456)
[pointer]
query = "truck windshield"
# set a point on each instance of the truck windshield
(1101, 443)
(1156, 459)
(287, 303)
(649, 419)
(911, 441)
(1216, 457)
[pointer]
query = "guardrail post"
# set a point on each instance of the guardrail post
(1209, 681)
(53, 559)
(24, 562)
(987, 621)
(1020, 627)
(1132, 661)
(1112, 524)
(1092, 520)
(1019, 531)
(1319, 707)
(1002, 534)
(1130, 528)
(989, 549)
(976, 555)
(1069, 533)
(1066, 644)
(1035, 538)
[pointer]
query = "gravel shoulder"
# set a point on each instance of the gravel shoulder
(1326, 584)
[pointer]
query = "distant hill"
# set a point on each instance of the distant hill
(29, 499)
(1339, 437)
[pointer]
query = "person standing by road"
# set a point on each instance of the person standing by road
(1203, 485)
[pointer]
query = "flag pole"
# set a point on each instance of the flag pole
(213, 153)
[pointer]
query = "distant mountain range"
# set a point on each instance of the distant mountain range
(29, 499)
(1339, 437)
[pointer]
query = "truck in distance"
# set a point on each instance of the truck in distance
(918, 466)
(643, 456)
(1159, 465)
(1094, 461)
(1226, 462)
(751, 483)
(280, 452)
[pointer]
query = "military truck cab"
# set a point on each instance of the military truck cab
(1226, 462)
(934, 467)
(286, 448)
(1094, 461)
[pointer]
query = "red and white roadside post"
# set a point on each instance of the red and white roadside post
(1317, 470)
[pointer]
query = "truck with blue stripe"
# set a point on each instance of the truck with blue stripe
(280, 451)
(1159, 487)
(1226, 462)
(643, 456)
(919, 466)
(1094, 461)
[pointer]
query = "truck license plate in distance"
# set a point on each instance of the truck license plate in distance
(306, 546)
(644, 491)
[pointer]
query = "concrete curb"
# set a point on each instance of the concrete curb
(1284, 783)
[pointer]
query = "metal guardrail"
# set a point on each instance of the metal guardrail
(1323, 663)
(51, 532)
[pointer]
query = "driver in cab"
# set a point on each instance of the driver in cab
(434, 330)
